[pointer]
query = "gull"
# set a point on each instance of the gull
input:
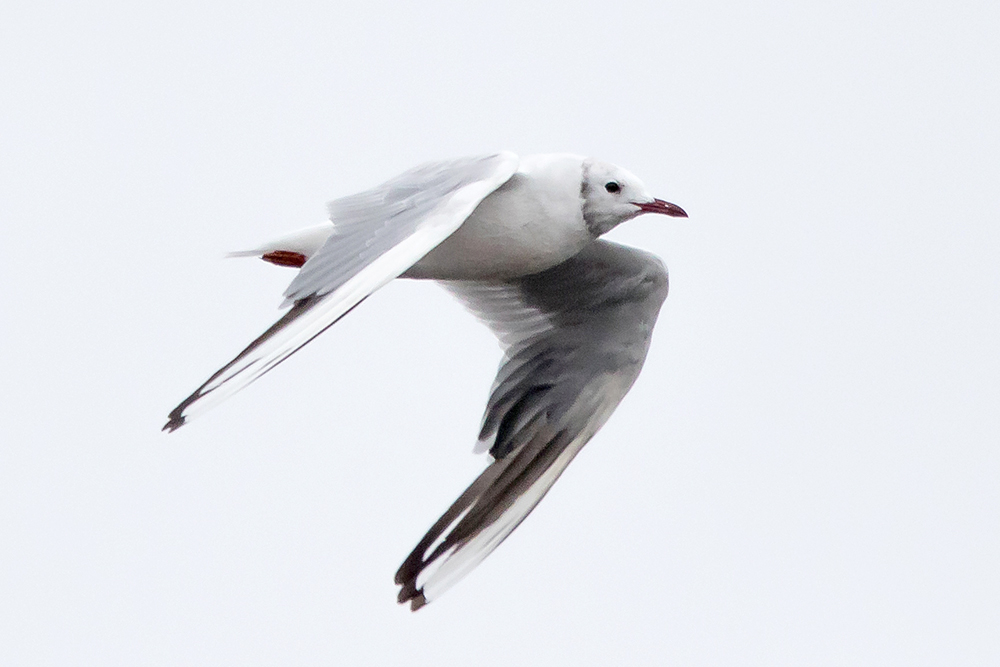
(516, 240)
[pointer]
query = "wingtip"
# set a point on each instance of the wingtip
(407, 581)
(175, 421)
(410, 594)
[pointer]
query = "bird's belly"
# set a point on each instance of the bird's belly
(500, 241)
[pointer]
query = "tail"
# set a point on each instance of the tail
(292, 249)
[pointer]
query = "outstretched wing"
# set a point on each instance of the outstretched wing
(377, 235)
(574, 338)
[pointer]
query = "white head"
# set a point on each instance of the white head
(611, 195)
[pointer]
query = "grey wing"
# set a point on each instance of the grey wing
(377, 236)
(575, 338)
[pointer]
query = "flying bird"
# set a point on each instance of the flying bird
(516, 240)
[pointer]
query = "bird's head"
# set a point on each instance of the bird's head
(611, 195)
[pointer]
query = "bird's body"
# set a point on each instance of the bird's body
(530, 223)
(515, 241)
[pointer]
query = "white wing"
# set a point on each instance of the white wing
(377, 236)
(575, 338)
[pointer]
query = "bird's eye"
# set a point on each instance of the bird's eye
(612, 187)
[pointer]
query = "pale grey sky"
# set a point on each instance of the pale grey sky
(805, 473)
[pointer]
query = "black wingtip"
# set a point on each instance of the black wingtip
(406, 578)
(175, 422)
(410, 594)
(177, 418)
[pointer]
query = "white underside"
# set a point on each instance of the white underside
(531, 223)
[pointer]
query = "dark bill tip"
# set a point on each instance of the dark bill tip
(662, 207)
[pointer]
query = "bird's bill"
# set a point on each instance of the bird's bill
(663, 207)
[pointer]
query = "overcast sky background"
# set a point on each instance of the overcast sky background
(805, 473)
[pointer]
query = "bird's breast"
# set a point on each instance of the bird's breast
(518, 230)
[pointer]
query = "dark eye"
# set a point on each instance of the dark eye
(612, 187)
